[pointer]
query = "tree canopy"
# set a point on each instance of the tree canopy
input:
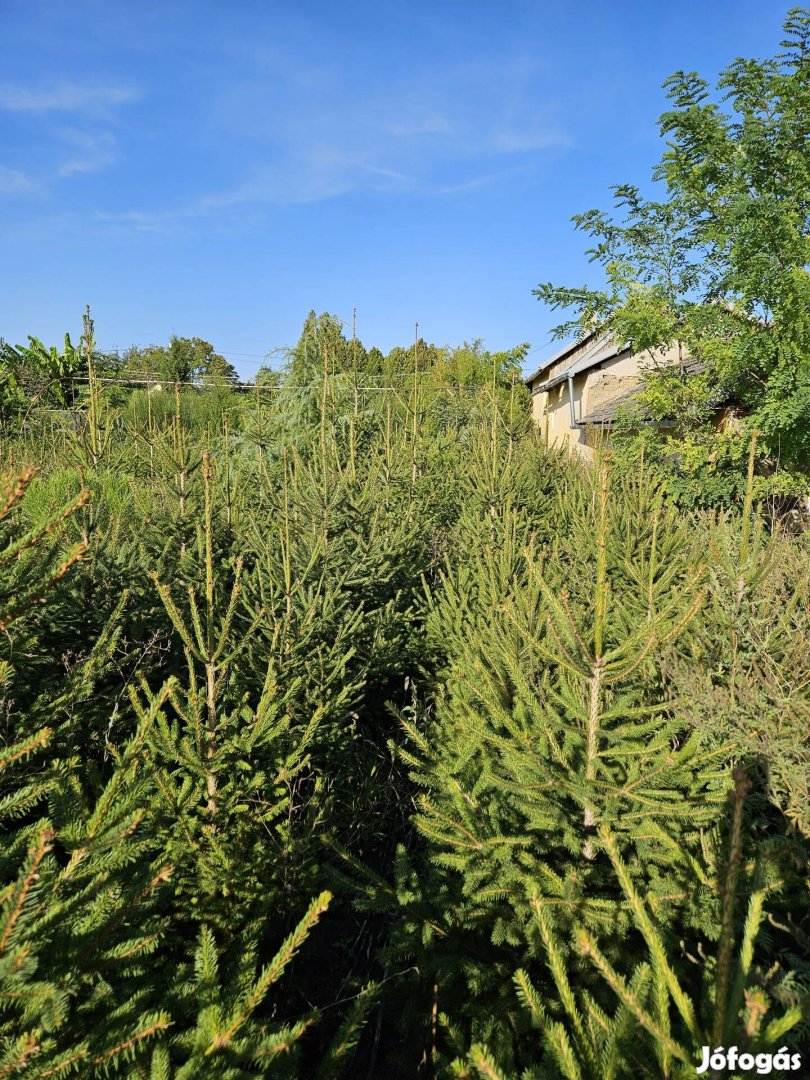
(182, 360)
(717, 262)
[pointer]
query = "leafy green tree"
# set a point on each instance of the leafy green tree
(144, 360)
(418, 358)
(182, 360)
(717, 264)
(267, 376)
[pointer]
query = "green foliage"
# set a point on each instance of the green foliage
(572, 793)
(35, 372)
(718, 266)
(95, 887)
(183, 360)
(349, 731)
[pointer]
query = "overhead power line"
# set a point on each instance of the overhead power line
(202, 384)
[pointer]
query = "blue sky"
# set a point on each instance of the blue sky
(216, 170)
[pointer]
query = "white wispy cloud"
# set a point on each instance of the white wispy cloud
(429, 125)
(518, 142)
(16, 182)
(89, 151)
(430, 134)
(86, 144)
(91, 98)
(159, 221)
(302, 133)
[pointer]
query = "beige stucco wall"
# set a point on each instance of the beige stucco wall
(592, 389)
(552, 413)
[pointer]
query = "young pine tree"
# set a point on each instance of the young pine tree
(554, 725)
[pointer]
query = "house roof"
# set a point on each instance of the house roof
(597, 350)
(605, 414)
(559, 355)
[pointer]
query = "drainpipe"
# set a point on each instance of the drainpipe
(571, 400)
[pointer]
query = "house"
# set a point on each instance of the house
(577, 391)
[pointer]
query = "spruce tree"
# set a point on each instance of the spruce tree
(555, 723)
